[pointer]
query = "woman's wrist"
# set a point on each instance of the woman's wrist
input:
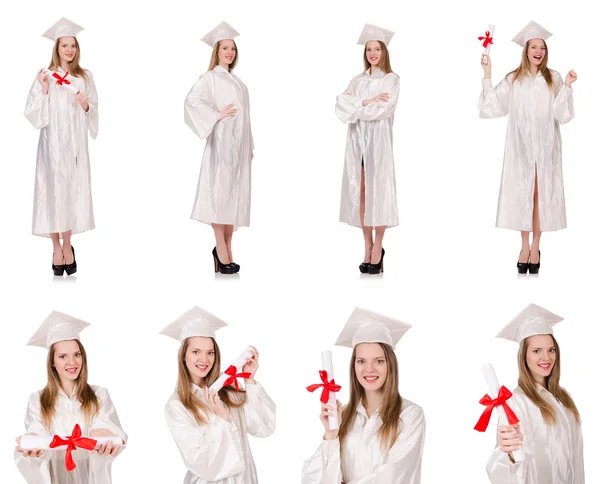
(330, 435)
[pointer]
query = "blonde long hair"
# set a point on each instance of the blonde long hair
(90, 404)
(214, 58)
(391, 404)
(384, 63)
(552, 384)
(74, 68)
(185, 389)
(523, 69)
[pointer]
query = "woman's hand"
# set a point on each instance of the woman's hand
(227, 111)
(487, 66)
(571, 78)
(510, 438)
(43, 80)
(326, 412)
(28, 452)
(108, 448)
(383, 97)
(82, 100)
(252, 365)
(216, 405)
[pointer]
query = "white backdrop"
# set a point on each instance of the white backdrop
(449, 271)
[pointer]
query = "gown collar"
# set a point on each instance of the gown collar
(221, 69)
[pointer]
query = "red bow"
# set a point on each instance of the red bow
(233, 376)
(328, 386)
(503, 395)
(61, 80)
(74, 441)
(487, 40)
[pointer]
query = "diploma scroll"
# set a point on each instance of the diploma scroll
(60, 80)
(42, 442)
(494, 388)
(327, 362)
(487, 41)
(244, 358)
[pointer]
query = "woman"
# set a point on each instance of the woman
(209, 428)
(369, 181)
(63, 198)
(381, 434)
(549, 432)
(536, 102)
(66, 400)
(217, 109)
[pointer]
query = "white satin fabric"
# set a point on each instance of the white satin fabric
(532, 141)
(223, 194)
(362, 461)
(49, 468)
(370, 139)
(219, 452)
(553, 454)
(62, 192)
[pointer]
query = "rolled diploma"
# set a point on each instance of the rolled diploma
(70, 87)
(327, 362)
(486, 51)
(42, 442)
(494, 388)
(239, 364)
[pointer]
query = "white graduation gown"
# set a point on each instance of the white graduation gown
(553, 454)
(532, 141)
(362, 461)
(219, 452)
(370, 139)
(49, 468)
(223, 194)
(63, 192)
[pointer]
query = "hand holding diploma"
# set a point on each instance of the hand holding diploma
(330, 388)
(245, 366)
(488, 40)
(60, 80)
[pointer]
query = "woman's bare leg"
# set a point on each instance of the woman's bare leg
(367, 231)
(377, 246)
(537, 234)
(66, 247)
(58, 257)
(228, 235)
(524, 255)
(222, 252)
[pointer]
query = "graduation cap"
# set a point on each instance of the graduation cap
(63, 28)
(220, 32)
(533, 320)
(368, 327)
(57, 327)
(195, 322)
(532, 30)
(372, 32)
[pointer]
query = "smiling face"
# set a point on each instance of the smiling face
(67, 360)
(67, 49)
(373, 52)
(540, 357)
(199, 358)
(536, 52)
(370, 366)
(227, 52)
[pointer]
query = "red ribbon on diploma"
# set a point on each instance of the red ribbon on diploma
(487, 40)
(328, 386)
(61, 80)
(74, 441)
(233, 376)
(503, 395)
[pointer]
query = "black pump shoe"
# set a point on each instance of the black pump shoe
(364, 268)
(535, 268)
(377, 268)
(71, 268)
(522, 266)
(220, 267)
(57, 269)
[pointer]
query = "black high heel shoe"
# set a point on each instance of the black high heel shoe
(535, 268)
(522, 266)
(71, 268)
(220, 267)
(57, 269)
(364, 267)
(377, 268)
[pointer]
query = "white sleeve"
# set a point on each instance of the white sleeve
(259, 411)
(36, 110)
(200, 112)
(324, 467)
(564, 110)
(92, 98)
(494, 102)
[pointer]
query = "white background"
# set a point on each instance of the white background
(448, 270)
